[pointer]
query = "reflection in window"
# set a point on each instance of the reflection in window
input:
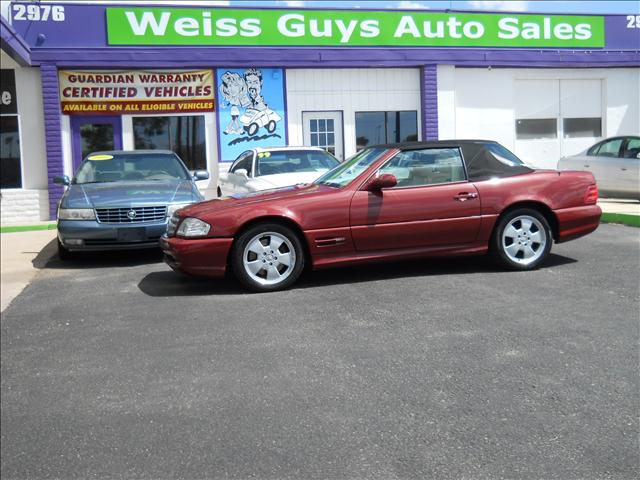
(184, 135)
(536, 128)
(373, 128)
(96, 137)
(582, 127)
(10, 172)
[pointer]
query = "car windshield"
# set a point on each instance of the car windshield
(123, 167)
(346, 172)
(294, 161)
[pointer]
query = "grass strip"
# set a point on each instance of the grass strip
(27, 228)
(623, 218)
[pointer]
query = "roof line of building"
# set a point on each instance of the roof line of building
(13, 44)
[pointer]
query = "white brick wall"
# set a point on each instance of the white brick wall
(23, 206)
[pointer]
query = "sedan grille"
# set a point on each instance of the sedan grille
(131, 215)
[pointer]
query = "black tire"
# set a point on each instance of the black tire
(251, 281)
(253, 129)
(64, 254)
(271, 126)
(510, 246)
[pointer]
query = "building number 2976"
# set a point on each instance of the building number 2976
(38, 13)
(633, 21)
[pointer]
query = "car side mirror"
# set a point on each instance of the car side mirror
(386, 180)
(242, 173)
(201, 175)
(63, 180)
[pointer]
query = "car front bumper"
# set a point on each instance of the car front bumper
(90, 235)
(203, 257)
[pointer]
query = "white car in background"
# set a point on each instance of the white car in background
(265, 168)
(615, 164)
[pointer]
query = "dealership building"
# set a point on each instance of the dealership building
(212, 82)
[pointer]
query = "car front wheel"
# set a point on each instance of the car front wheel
(522, 239)
(268, 257)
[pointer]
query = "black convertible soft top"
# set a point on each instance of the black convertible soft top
(484, 159)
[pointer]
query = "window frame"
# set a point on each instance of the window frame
(426, 185)
(386, 112)
(208, 118)
(20, 146)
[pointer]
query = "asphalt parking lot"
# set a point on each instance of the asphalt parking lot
(115, 367)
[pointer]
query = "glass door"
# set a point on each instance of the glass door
(92, 134)
(324, 130)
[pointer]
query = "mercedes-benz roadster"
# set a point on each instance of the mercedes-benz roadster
(388, 202)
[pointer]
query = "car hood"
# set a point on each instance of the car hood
(285, 179)
(290, 193)
(128, 194)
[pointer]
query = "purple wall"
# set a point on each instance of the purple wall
(50, 45)
(53, 136)
(429, 90)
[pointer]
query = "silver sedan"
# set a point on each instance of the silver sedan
(615, 162)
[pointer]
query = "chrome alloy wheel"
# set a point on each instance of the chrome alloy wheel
(269, 258)
(524, 240)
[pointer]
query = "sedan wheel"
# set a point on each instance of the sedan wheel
(268, 257)
(522, 239)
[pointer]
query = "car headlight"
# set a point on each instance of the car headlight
(193, 227)
(176, 206)
(76, 214)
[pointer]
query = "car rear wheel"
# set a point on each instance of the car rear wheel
(271, 126)
(522, 239)
(268, 257)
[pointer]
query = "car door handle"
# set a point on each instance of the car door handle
(587, 166)
(464, 196)
(623, 169)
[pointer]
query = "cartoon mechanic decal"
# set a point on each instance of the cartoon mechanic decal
(251, 107)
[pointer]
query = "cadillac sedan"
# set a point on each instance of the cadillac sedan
(122, 200)
(388, 202)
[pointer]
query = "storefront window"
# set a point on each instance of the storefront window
(96, 137)
(582, 127)
(536, 128)
(373, 128)
(10, 171)
(184, 135)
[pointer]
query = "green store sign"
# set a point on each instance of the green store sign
(348, 28)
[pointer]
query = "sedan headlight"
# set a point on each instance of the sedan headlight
(193, 227)
(76, 214)
(176, 206)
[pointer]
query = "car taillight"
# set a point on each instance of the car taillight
(591, 196)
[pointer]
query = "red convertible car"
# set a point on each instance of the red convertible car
(388, 202)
